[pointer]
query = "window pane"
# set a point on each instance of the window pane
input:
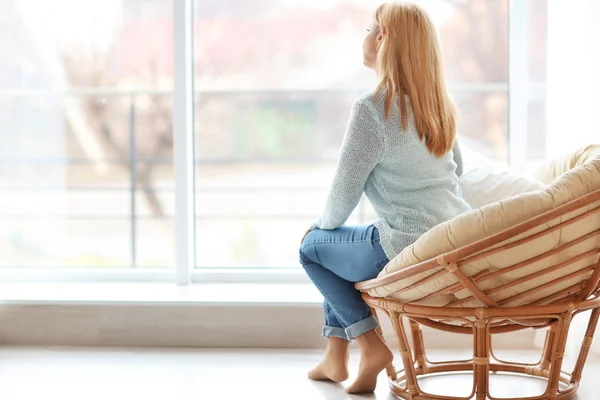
(537, 38)
(64, 241)
(155, 243)
(85, 122)
(275, 82)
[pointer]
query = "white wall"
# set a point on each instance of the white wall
(573, 91)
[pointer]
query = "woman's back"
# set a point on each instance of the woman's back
(410, 189)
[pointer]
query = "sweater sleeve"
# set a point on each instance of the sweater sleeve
(458, 158)
(362, 149)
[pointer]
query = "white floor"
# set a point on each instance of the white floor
(132, 374)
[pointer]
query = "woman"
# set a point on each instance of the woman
(398, 150)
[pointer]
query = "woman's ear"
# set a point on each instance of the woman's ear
(380, 35)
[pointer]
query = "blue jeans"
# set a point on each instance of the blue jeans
(334, 260)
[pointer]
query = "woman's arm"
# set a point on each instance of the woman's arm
(458, 158)
(361, 151)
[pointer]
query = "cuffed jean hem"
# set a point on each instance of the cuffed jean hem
(361, 327)
(334, 331)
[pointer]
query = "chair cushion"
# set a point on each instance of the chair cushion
(488, 184)
(560, 165)
(494, 218)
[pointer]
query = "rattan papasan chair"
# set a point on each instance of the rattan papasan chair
(530, 261)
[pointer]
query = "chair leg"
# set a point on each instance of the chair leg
(547, 349)
(558, 355)
(546, 359)
(418, 346)
(409, 367)
(585, 347)
(481, 359)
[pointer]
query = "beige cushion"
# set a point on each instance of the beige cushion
(488, 184)
(481, 223)
(560, 165)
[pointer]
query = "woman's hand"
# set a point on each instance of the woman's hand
(304, 237)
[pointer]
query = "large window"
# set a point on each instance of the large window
(87, 124)
(86, 177)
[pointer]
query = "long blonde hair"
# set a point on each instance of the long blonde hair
(409, 63)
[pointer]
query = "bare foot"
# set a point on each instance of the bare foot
(375, 356)
(335, 365)
(329, 370)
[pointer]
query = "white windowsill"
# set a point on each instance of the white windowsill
(164, 275)
(163, 314)
(104, 293)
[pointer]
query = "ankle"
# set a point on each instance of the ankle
(369, 338)
(337, 346)
(370, 342)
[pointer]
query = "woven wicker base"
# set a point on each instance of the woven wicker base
(482, 324)
(398, 385)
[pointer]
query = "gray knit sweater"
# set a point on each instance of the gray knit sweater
(410, 190)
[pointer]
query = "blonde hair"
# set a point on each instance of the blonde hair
(409, 63)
